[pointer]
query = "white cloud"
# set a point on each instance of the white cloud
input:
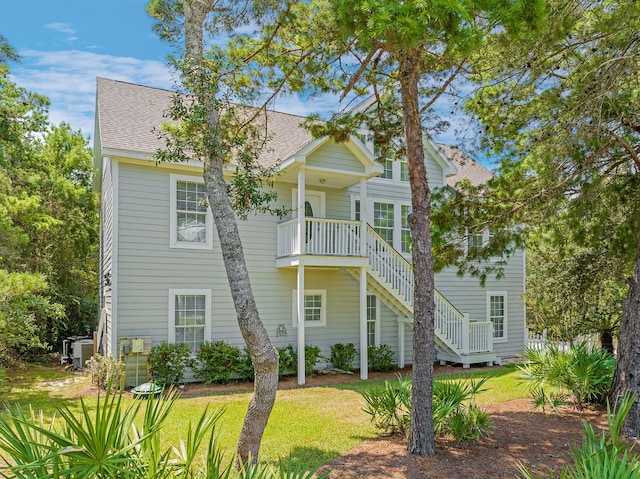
(68, 79)
(61, 27)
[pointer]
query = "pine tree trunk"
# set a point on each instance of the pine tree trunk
(627, 374)
(421, 434)
(263, 355)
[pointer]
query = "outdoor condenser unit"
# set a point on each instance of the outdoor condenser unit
(82, 351)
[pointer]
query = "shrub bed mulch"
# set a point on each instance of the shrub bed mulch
(542, 442)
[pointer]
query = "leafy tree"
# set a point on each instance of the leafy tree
(48, 218)
(566, 125)
(416, 49)
(216, 131)
(573, 288)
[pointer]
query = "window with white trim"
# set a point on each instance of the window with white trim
(373, 320)
(387, 164)
(405, 231)
(315, 308)
(383, 220)
(475, 242)
(497, 313)
(404, 169)
(189, 316)
(191, 221)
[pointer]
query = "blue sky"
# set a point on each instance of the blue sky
(65, 45)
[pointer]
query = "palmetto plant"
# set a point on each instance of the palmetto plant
(583, 374)
(121, 440)
(609, 456)
(454, 411)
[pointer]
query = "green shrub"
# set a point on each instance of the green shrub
(2, 376)
(217, 362)
(244, 368)
(608, 457)
(106, 371)
(288, 360)
(312, 357)
(390, 405)
(168, 362)
(342, 356)
(381, 358)
(579, 375)
(454, 410)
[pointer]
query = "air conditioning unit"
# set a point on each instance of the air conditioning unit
(82, 351)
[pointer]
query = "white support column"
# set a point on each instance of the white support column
(401, 326)
(363, 217)
(300, 311)
(465, 334)
(364, 359)
(300, 280)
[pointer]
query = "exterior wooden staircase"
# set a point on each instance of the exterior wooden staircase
(458, 338)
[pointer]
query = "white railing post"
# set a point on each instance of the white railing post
(465, 333)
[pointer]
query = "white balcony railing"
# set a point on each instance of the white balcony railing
(322, 237)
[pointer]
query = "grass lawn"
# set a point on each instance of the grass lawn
(318, 422)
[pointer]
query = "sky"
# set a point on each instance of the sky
(65, 45)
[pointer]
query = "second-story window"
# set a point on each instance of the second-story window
(383, 220)
(191, 219)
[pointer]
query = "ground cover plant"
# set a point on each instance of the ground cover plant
(578, 375)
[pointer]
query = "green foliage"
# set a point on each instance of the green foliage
(455, 412)
(106, 371)
(380, 358)
(342, 356)
(390, 405)
(454, 409)
(218, 362)
(48, 224)
(168, 362)
(288, 360)
(22, 306)
(607, 457)
(312, 356)
(104, 442)
(583, 374)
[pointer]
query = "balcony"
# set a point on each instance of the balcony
(327, 242)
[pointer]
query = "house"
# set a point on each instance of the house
(341, 260)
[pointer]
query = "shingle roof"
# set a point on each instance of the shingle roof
(129, 113)
(468, 168)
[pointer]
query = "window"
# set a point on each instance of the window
(315, 308)
(383, 220)
(356, 210)
(373, 318)
(404, 170)
(189, 316)
(191, 220)
(405, 231)
(388, 168)
(497, 314)
(474, 243)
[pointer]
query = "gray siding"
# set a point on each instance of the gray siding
(147, 268)
(106, 248)
(334, 156)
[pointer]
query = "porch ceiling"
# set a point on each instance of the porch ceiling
(322, 177)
